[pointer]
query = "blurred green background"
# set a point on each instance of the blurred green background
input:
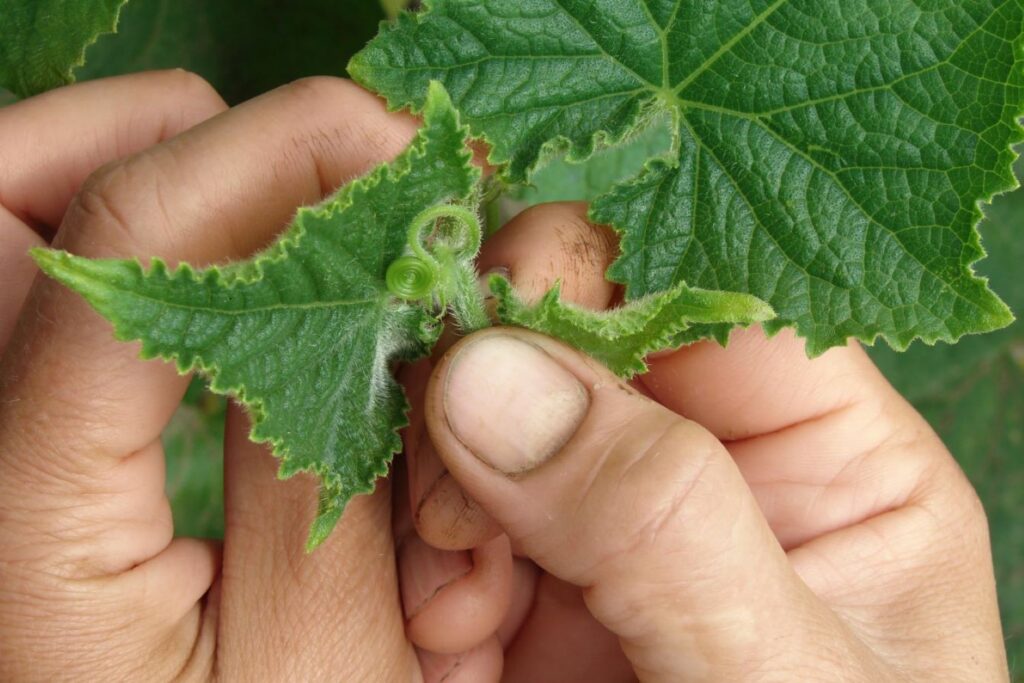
(972, 393)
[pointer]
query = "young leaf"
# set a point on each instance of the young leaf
(621, 338)
(42, 41)
(304, 333)
(829, 155)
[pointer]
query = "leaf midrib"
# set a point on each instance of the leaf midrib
(726, 46)
(313, 305)
(681, 105)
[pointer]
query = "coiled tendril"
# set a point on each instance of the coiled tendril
(417, 275)
(412, 278)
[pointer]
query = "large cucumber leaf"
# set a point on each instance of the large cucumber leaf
(829, 155)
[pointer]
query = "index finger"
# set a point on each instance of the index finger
(754, 386)
(75, 401)
(51, 142)
(759, 385)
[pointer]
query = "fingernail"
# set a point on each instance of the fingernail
(511, 404)
(444, 515)
(450, 520)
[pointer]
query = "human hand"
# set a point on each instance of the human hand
(736, 514)
(92, 585)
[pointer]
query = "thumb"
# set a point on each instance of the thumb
(611, 491)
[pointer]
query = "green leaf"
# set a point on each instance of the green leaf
(194, 451)
(562, 180)
(973, 395)
(829, 155)
(622, 337)
(304, 333)
(393, 7)
(42, 41)
(242, 47)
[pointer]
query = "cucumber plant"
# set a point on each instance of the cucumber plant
(823, 169)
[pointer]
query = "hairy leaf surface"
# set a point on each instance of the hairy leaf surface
(42, 41)
(829, 155)
(304, 333)
(622, 337)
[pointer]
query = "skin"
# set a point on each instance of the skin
(739, 514)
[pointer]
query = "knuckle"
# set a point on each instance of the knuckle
(966, 503)
(317, 89)
(672, 485)
(568, 247)
(101, 218)
(666, 476)
(657, 468)
(339, 148)
(584, 247)
(95, 214)
(192, 86)
(943, 486)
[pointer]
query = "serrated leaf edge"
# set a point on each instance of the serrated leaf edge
(997, 317)
(60, 265)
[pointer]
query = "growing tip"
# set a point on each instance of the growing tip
(48, 260)
(327, 516)
(761, 311)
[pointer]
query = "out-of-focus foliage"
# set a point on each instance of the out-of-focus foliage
(973, 394)
(193, 444)
(43, 41)
(243, 47)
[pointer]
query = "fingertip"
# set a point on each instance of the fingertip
(482, 664)
(448, 519)
(172, 582)
(551, 242)
(463, 608)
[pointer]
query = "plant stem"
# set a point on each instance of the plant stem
(467, 301)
